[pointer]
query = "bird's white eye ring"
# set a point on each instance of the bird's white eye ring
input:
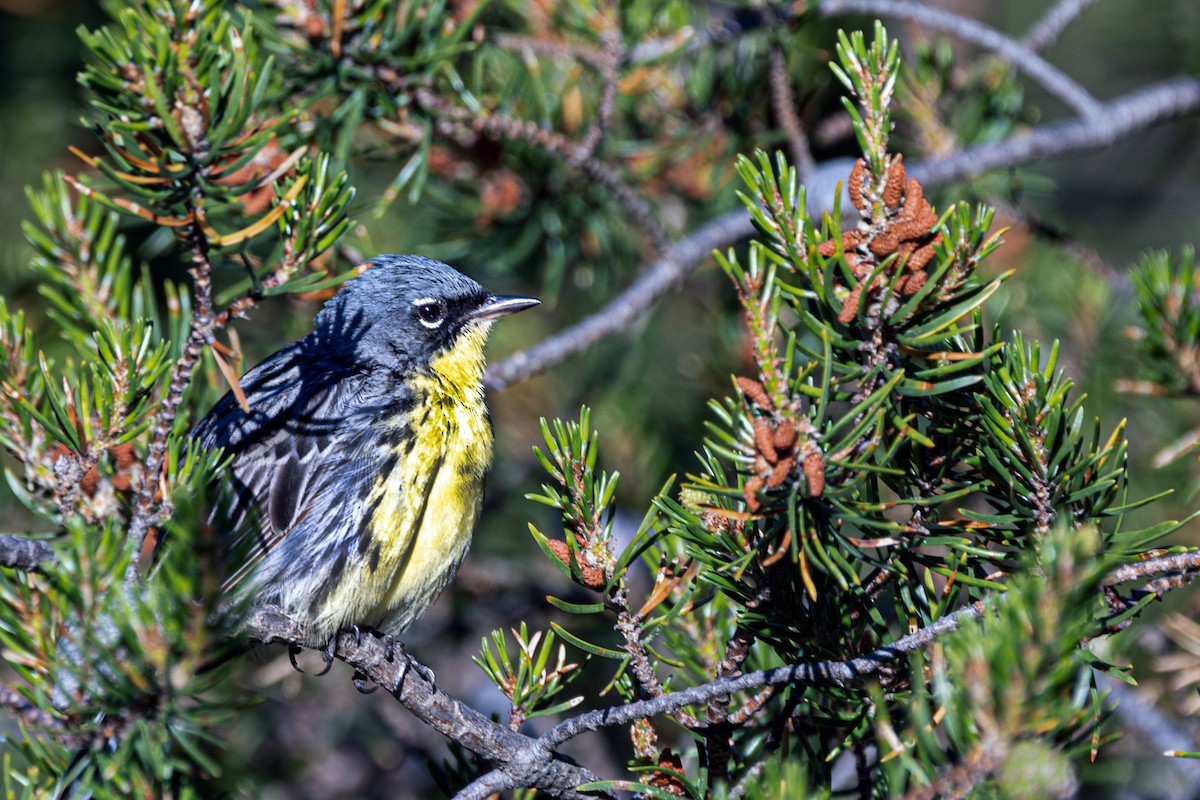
(430, 312)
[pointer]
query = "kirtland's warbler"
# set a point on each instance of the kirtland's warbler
(358, 471)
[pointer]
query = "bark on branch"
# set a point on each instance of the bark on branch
(23, 553)
(525, 760)
(521, 760)
(1115, 120)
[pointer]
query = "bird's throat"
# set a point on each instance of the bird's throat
(459, 370)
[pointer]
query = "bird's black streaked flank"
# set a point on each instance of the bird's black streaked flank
(359, 468)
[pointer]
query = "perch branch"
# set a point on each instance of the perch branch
(20, 552)
(522, 760)
(526, 761)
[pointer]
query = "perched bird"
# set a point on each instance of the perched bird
(358, 469)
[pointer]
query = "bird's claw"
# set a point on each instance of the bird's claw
(293, 651)
(363, 685)
(327, 655)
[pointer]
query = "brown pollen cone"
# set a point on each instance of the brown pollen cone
(907, 232)
(593, 577)
(775, 442)
(667, 781)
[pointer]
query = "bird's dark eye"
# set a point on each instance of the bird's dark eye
(431, 313)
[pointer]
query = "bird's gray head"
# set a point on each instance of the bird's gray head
(405, 311)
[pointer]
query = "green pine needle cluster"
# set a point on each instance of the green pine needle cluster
(880, 471)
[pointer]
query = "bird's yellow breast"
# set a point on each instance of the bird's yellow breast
(427, 505)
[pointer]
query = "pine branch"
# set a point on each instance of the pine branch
(783, 103)
(150, 510)
(1117, 120)
(1015, 54)
(614, 52)
(526, 761)
(1165, 573)
(23, 553)
(1046, 30)
(502, 127)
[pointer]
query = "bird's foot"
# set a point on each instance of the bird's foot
(411, 663)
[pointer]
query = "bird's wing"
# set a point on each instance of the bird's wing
(304, 447)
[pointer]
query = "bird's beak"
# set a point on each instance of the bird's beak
(501, 305)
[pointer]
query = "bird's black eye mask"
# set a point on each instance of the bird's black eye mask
(444, 317)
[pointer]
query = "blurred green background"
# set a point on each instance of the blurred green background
(649, 386)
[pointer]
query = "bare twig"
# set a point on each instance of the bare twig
(150, 507)
(783, 103)
(497, 126)
(486, 786)
(606, 60)
(501, 126)
(1118, 119)
(753, 706)
(1046, 30)
(823, 673)
(611, 76)
(1182, 566)
(23, 553)
(1015, 54)
(716, 714)
(626, 307)
(630, 628)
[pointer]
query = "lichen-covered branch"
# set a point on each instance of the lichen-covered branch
(23, 553)
(527, 761)
(1118, 119)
